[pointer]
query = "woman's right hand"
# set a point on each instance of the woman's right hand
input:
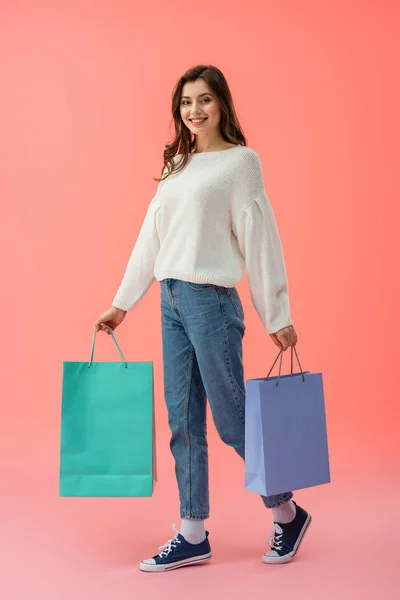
(111, 317)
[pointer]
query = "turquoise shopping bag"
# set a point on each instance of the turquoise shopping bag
(107, 428)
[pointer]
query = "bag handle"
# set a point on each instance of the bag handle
(291, 363)
(115, 341)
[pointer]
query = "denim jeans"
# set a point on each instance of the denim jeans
(202, 333)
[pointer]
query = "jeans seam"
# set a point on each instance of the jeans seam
(187, 435)
(235, 306)
(228, 361)
(171, 297)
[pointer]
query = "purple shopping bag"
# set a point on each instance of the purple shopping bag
(286, 445)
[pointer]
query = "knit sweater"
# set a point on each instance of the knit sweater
(208, 224)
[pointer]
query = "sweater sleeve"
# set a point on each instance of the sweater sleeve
(139, 273)
(258, 238)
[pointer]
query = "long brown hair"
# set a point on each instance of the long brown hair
(229, 123)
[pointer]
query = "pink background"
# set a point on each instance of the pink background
(85, 115)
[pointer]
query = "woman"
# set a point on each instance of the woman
(209, 219)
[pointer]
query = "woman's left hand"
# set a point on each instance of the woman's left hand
(284, 338)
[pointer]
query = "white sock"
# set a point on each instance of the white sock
(285, 513)
(193, 530)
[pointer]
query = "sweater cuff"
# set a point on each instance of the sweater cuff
(121, 304)
(278, 324)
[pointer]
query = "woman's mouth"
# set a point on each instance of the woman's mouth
(198, 121)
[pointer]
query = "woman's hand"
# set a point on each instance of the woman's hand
(284, 338)
(111, 317)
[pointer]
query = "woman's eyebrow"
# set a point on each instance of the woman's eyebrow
(200, 95)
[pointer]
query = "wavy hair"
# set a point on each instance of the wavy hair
(185, 141)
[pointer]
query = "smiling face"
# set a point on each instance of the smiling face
(198, 102)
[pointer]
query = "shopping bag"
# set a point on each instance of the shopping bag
(107, 428)
(286, 444)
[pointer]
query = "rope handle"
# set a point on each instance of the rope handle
(115, 341)
(291, 364)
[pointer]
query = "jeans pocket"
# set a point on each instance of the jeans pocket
(234, 297)
(198, 287)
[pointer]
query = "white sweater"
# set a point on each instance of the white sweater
(206, 224)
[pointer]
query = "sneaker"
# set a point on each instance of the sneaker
(177, 552)
(286, 538)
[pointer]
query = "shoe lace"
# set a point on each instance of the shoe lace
(172, 543)
(275, 538)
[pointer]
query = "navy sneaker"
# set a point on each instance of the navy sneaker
(177, 552)
(287, 537)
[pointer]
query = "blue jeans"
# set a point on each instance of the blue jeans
(202, 333)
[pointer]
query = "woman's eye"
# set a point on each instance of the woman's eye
(185, 101)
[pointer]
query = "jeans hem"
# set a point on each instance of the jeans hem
(285, 499)
(197, 517)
